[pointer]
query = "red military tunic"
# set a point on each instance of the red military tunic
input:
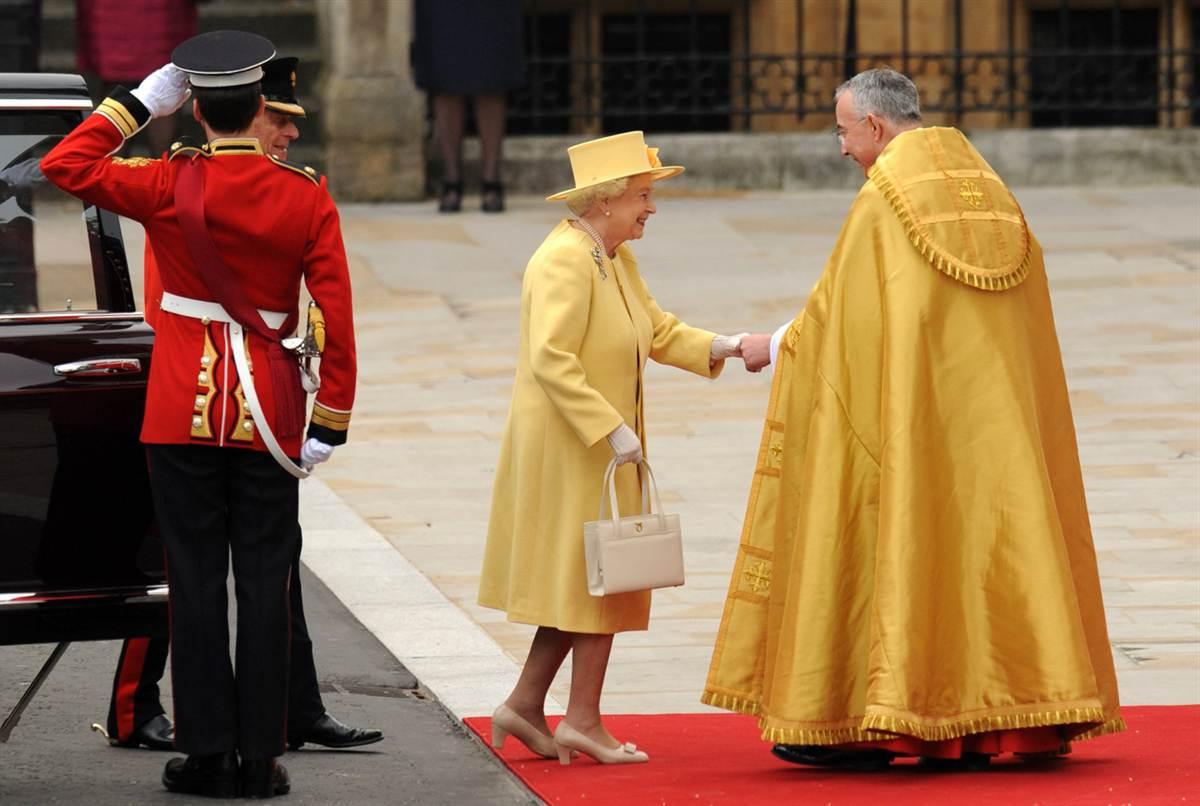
(273, 224)
(151, 287)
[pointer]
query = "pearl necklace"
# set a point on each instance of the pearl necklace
(598, 251)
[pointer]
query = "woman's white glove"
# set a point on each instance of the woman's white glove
(626, 446)
(725, 347)
(163, 91)
(313, 452)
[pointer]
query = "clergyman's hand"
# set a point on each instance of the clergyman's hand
(756, 351)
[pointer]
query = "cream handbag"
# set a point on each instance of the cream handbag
(636, 552)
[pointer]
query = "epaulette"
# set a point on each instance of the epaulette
(185, 146)
(306, 171)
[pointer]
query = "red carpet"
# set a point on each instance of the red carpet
(718, 758)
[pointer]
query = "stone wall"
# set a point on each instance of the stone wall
(373, 121)
(795, 161)
(373, 117)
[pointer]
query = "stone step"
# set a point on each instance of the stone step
(721, 162)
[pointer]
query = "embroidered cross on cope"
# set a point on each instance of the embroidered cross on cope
(758, 577)
(970, 193)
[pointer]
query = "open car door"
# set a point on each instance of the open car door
(79, 554)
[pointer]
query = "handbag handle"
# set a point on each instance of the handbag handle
(650, 494)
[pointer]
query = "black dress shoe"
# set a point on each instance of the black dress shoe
(328, 732)
(214, 776)
(818, 756)
(967, 762)
(156, 734)
(1044, 757)
(264, 778)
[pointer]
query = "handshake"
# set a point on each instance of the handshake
(753, 348)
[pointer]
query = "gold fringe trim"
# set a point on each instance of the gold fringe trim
(953, 730)
(1114, 725)
(974, 276)
(728, 702)
(828, 736)
(877, 727)
(779, 735)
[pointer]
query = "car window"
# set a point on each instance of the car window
(45, 253)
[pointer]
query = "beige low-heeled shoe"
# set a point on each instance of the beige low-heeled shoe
(507, 722)
(568, 739)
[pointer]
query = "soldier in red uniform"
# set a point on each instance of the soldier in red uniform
(234, 233)
(135, 715)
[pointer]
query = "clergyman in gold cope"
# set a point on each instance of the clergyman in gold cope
(916, 572)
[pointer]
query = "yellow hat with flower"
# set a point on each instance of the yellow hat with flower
(615, 157)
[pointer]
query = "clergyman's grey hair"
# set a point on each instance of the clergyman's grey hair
(885, 93)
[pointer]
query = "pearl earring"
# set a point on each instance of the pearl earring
(608, 212)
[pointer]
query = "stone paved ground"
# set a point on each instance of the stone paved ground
(437, 306)
(427, 758)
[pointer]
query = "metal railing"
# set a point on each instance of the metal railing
(694, 65)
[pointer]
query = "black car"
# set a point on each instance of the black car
(80, 558)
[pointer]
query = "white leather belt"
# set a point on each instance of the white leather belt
(214, 312)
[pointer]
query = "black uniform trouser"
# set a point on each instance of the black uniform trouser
(135, 700)
(304, 695)
(212, 503)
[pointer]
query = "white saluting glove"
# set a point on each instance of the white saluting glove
(626, 446)
(313, 452)
(725, 347)
(163, 91)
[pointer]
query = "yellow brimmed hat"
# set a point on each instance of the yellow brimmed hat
(615, 157)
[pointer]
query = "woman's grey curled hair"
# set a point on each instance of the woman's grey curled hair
(580, 201)
(884, 93)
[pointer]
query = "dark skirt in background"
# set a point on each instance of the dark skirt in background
(124, 41)
(468, 47)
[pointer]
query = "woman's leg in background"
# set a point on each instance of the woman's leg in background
(489, 117)
(450, 116)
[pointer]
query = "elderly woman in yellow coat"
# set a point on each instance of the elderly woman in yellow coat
(588, 325)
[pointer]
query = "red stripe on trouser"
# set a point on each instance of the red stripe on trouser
(132, 662)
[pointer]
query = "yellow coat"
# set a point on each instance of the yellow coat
(916, 557)
(585, 338)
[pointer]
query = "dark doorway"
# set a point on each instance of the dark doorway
(543, 105)
(1094, 67)
(666, 72)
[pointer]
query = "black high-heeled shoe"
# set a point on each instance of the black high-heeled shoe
(493, 197)
(451, 198)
